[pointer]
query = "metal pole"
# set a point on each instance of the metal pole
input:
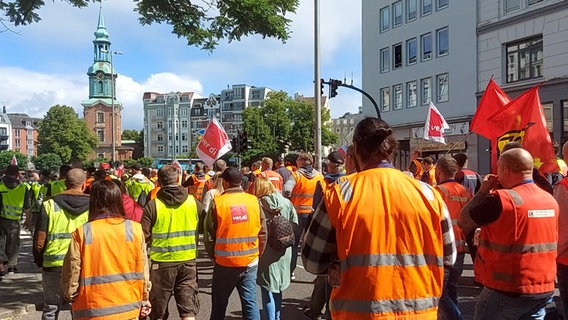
(317, 91)
(113, 125)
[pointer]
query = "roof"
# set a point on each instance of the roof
(19, 120)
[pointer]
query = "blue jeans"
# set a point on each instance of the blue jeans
(225, 279)
(52, 297)
(303, 222)
(494, 305)
(271, 304)
(448, 306)
(562, 275)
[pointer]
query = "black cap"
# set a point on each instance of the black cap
(232, 175)
(336, 157)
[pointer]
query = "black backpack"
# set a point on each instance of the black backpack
(280, 231)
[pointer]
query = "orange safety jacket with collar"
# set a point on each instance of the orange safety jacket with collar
(153, 194)
(302, 196)
(196, 189)
(274, 177)
(238, 226)
(111, 282)
(456, 196)
(417, 172)
(391, 254)
(517, 252)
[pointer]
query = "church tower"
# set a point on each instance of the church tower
(98, 109)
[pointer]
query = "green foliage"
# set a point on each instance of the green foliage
(282, 121)
(145, 162)
(63, 133)
(48, 161)
(202, 23)
(6, 159)
(130, 134)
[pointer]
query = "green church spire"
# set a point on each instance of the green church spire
(101, 34)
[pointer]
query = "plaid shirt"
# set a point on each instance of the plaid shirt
(320, 245)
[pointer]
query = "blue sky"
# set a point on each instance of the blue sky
(46, 63)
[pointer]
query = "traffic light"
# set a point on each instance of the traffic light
(235, 144)
(334, 84)
(244, 142)
(321, 86)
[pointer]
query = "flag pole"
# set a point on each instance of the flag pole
(464, 137)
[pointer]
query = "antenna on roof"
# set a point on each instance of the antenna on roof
(351, 77)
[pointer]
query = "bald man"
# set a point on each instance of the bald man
(516, 257)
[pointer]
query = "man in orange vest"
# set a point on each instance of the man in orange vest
(415, 166)
(391, 254)
(456, 197)
(268, 173)
(300, 189)
(561, 196)
(516, 256)
(196, 182)
(235, 237)
(428, 171)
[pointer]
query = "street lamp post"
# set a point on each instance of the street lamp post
(112, 114)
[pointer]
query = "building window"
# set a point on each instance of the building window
(160, 124)
(160, 137)
(441, 4)
(184, 137)
(426, 46)
(385, 19)
(18, 143)
(17, 133)
(170, 124)
(532, 2)
(101, 135)
(385, 99)
(160, 149)
(183, 111)
(385, 60)
(160, 112)
(411, 51)
(547, 110)
(411, 9)
(397, 56)
(184, 123)
(100, 117)
(184, 149)
(442, 87)
(169, 137)
(397, 101)
(524, 60)
(411, 94)
(426, 7)
(512, 5)
(100, 155)
(426, 89)
(442, 41)
(397, 14)
(337, 130)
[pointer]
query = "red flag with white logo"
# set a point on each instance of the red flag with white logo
(214, 143)
(435, 125)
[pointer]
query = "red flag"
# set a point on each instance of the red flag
(342, 150)
(435, 125)
(493, 99)
(523, 120)
(214, 143)
(14, 161)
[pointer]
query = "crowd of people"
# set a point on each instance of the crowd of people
(384, 243)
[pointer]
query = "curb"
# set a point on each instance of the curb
(18, 311)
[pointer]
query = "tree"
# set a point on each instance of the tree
(63, 133)
(138, 137)
(304, 124)
(48, 162)
(202, 23)
(6, 158)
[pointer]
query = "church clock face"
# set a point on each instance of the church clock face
(100, 75)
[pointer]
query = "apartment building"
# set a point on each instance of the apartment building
(5, 131)
(24, 133)
(344, 126)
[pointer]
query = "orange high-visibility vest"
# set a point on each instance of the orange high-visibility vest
(391, 253)
(517, 252)
(238, 225)
(302, 196)
(417, 172)
(274, 177)
(154, 193)
(456, 196)
(431, 179)
(196, 189)
(111, 283)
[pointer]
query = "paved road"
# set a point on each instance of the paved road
(24, 289)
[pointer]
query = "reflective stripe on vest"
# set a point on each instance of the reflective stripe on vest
(12, 201)
(456, 196)
(174, 232)
(111, 286)
(61, 225)
(238, 225)
(196, 189)
(517, 252)
(385, 306)
(302, 195)
(391, 259)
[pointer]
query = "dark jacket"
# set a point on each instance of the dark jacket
(71, 201)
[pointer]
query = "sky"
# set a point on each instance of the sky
(46, 63)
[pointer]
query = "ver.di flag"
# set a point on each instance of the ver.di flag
(435, 125)
(214, 143)
(523, 120)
